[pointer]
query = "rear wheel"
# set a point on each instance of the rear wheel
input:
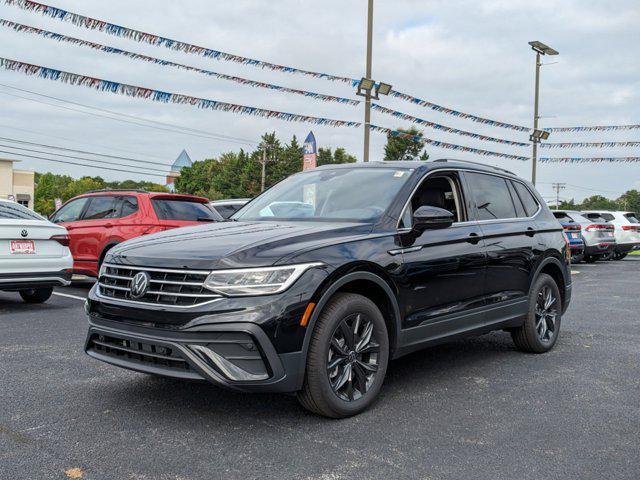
(348, 357)
(541, 328)
(36, 295)
(577, 258)
(619, 255)
(591, 258)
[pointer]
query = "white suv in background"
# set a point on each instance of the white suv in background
(627, 231)
(34, 253)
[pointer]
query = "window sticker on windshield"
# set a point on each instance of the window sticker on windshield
(398, 173)
(309, 194)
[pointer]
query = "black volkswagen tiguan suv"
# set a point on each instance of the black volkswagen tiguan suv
(315, 285)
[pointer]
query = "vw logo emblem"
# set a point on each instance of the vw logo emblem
(24, 233)
(140, 284)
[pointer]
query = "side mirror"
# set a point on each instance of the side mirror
(431, 218)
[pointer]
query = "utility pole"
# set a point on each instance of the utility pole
(537, 135)
(367, 102)
(534, 155)
(264, 167)
(557, 187)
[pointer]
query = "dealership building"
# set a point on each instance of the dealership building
(17, 185)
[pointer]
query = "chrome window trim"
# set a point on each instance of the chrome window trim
(468, 222)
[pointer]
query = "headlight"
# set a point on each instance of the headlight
(255, 281)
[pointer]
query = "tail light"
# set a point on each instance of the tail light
(630, 228)
(592, 227)
(61, 239)
(572, 227)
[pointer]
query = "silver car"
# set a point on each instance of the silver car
(34, 253)
(597, 233)
(627, 230)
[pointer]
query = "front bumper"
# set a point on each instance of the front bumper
(239, 356)
(24, 281)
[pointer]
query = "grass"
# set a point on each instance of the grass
(635, 252)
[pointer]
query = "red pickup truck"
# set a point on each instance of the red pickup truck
(96, 221)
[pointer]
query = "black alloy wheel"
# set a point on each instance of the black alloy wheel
(352, 362)
(546, 314)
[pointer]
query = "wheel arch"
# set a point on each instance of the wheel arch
(553, 267)
(108, 246)
(359, 279)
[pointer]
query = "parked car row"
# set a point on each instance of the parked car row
(599, 235)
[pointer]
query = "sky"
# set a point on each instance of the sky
(472, 56)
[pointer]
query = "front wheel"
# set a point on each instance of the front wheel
(348, 357)
(36, 295)
(541, 327)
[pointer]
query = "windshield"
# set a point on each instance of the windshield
(341, 194)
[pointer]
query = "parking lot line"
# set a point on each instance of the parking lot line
(70, 296)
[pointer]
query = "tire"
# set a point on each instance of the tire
(577, 258)
(619, 255)
(607, 256)
(104, 254)
(539, 334)
(36, 295)
(591, 258)
(321, 392)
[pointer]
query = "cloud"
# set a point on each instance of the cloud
(469, 55)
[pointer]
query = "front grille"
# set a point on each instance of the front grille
(166, 287)
(138, 352)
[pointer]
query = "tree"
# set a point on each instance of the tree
(598, 202)
(400, 148)
(630, 201)
(325, 157)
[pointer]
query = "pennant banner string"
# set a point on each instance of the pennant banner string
(595, 128)
(143, 37)
(105, 48)
(444, 128)
(164, 97)
(439, 144)
(589, 160)
(590, 144)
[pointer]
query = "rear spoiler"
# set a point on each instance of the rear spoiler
(174, 196)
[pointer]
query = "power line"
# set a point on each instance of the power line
(81, 164)
(84, 152)
(194, 132)
(557, 187)
(82, 158)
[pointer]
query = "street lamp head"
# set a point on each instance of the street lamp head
(365, 86)
(538, 135)
(383, 88)
(543, 49)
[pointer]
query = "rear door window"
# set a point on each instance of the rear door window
(492, 197)
(71, 211)
(169, 209)
(101, 207)
(10, 210)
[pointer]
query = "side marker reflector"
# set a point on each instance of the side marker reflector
(307, 314)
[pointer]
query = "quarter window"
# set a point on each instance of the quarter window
(492, 197)
(528, 200)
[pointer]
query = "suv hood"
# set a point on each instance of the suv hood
(231, 244)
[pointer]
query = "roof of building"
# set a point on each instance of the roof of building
(182, 161)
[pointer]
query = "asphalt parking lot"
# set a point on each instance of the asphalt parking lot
(473, 409)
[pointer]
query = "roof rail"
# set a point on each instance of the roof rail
(441, 160)
(104, 190)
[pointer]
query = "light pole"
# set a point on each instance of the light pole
(537, 135)
(367, 85)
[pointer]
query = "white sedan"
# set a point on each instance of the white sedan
(34, 253)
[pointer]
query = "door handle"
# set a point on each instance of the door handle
(108, 225)
(473, 238)
(530, 232)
